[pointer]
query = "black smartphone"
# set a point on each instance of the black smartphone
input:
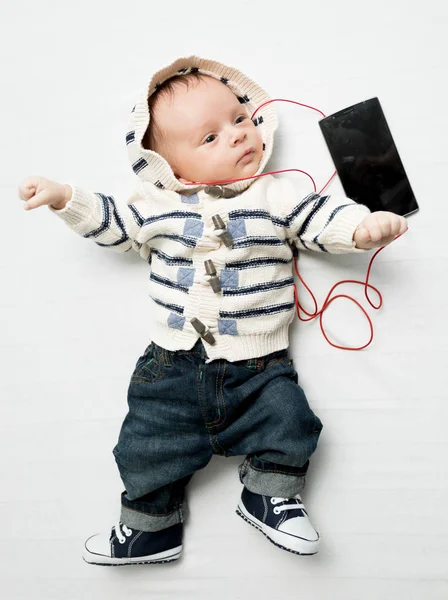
(366, 158)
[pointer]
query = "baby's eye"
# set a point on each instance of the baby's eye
(240, 119)
(210, 139)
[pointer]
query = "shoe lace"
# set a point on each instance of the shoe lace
(289, 504)
(119, 533)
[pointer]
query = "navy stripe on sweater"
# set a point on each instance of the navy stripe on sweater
(139, 165)
(185, 241)
(117, 243)
(258, 287)
(319, 204)
(168, 283)
(257, 213)
(118, 220)
(137, 216)
(301, 207)
(105, 224)
(173, 307)
(257, 262)
(330, 218)
(257, 312)
(107, 202)
(172, 260)
(175, 214)
(257, 240)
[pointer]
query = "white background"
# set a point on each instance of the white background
(75, 317)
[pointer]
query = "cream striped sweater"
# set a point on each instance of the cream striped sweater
(251, 314)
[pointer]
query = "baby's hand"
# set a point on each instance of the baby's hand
(37, 191)
(379, 229)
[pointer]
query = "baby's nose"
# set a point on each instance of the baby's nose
(237, 137)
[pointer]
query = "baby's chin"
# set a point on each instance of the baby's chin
(239, 172)
(248, 170)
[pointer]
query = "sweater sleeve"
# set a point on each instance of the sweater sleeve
(110, 223)
(324, 223)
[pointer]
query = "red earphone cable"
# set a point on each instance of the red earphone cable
(328, 299)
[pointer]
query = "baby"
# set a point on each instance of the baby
(216, 378)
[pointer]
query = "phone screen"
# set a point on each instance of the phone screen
(367, 160)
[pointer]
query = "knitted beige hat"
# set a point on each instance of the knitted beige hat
(152, 167)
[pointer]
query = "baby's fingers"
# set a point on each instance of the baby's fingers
(386, 223)
(375, 231)
(43, 197)
(27, 188)
(397, 225)
(362, 235)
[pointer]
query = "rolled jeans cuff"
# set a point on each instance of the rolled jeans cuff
(269, 479)
(151, 522)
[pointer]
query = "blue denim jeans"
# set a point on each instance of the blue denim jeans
(183, 410)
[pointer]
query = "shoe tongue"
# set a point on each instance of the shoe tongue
(298, 512)
(291, 501)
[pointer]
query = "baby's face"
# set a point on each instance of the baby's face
(207, 134)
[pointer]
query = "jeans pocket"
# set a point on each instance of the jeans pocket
(150, 366)
(280, 357)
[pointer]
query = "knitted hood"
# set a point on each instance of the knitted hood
(151, 166)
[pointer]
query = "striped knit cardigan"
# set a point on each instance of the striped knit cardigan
(174, 229)
(251, 314)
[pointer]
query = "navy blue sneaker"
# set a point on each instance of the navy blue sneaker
(125, 546)
(284, 521)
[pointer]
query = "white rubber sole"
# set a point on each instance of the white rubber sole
(278, 538)
(110, 561)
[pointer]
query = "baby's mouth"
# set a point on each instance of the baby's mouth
(247, 156)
